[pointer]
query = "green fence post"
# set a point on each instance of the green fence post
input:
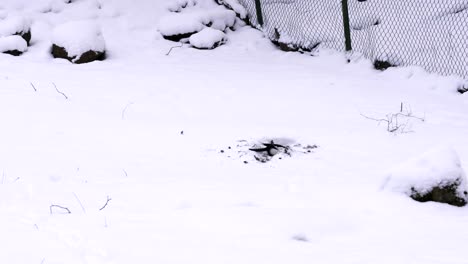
(347, 29)
(258, 6)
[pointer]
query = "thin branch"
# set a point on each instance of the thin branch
(82, 207)
(107, 202)
(169, 52)
(34, 87)
(125, 172)
(125, 110)
(58, 91)
(60, 207)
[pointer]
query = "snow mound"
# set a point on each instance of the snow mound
(178, 6)
(208, 38)
(433, 171)
(235, 6)
(13, 43)
(78, 37)
(180, 25)
(3, 14)
(12, 25)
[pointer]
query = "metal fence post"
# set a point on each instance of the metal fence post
(258, 7)
(347, 29)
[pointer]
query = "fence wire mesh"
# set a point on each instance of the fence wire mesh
(429, 33)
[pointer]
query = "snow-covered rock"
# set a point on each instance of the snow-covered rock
(208, 38)
(13, 45)
(235, 6)
(15, 25)
(178, 26)
(78, 41)
(435, 176)
(178, 6)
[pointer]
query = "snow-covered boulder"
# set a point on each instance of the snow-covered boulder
(16, 25)
(235, 6)
(78, 42)
(176, 27)
(435, 176)
(180, 26)
(13, 45)
(208, 38)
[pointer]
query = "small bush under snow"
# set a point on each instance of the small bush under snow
(437, 170)
(78, 37)
(208, 38)
(14, 45)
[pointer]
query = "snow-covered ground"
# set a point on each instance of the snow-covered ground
(152, 132)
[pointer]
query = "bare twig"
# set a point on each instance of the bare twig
(169, 52)
(125, 172)
(60, 207)
(58, 91)
(107, 202)
(34, 87)
(125, 110)
(82, 207)
(394, 122)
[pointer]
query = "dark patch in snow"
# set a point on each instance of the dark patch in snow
(267, 150)
(178, 37)
(26, 36)
(300, 238)
(88, 56)
(463, 89)
(447, 193)
(382, 65)
(13, 52)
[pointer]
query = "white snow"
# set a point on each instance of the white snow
(78, 37)
(175, 198)
(11, 25)
(207, 38)
(438, 167)
(12, 43)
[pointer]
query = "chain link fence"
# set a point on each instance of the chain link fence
(428, 33)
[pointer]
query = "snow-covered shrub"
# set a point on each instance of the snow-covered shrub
(16, 25)
(13, 45)
(78, 42)
(208, 38)
(435, 176)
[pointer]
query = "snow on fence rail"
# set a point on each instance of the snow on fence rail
(429, 33)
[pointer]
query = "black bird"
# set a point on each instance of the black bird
(270, 148)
